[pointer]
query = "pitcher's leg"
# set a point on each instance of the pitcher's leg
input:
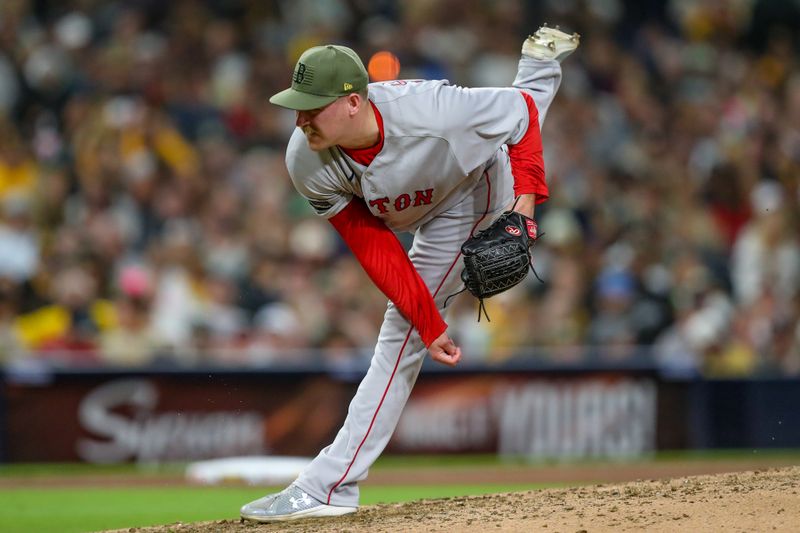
(539, 71)
(541, 79)
(332, 477)
(375, 410)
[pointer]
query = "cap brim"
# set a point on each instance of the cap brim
(292, 99)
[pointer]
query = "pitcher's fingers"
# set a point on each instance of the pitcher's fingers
(446, 358)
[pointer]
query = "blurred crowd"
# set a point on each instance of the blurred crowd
(146, 216)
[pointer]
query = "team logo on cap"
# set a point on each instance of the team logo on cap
(303, 74)
(299, 73)
(513, 230)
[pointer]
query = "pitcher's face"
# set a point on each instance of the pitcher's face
(324, 126)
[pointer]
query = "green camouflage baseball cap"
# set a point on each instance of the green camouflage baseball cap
(321, 75)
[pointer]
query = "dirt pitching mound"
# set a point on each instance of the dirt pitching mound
(766, 500)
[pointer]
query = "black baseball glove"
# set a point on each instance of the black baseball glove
(498, 257)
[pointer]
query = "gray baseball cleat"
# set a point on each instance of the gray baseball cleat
(550, 43)
(291, 503)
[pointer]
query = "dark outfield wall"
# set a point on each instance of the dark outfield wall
(104, 417)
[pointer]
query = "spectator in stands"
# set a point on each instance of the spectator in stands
(11, 348)
(67, 331)
(131, 339)
(766, 255)
(19, 171)
(19, 241)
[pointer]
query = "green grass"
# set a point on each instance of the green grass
(65, 510)
(51, 510)
(78, 469)
(91, 509)
(404, 461)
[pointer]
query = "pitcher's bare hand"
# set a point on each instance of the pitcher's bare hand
(444, 350)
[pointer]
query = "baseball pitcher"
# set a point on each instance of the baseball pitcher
(412, 155)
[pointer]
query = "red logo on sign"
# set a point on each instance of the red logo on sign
(533, 230)
(513, 230)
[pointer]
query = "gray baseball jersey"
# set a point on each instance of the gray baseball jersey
(444, 172)
(438, 140)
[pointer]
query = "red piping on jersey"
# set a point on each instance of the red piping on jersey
(403, 347)
(471, 232)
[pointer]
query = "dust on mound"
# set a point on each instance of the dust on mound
(765, 500)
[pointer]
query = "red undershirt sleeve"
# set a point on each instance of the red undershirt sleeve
(527, 161)
(386, 263)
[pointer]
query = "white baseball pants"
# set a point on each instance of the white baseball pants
(333, 476)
